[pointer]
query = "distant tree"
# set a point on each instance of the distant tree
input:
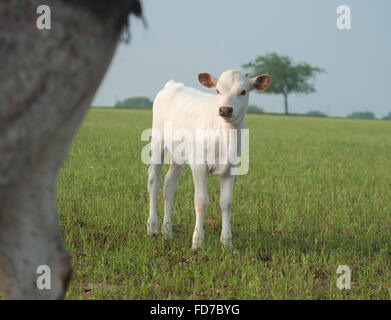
(286, 76)
(316, 114)
(362, 115)
(388, 117)
(254, 109)
(135, 102)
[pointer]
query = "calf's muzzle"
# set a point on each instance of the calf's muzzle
(225, 112)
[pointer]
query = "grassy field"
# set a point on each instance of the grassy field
(317, 195)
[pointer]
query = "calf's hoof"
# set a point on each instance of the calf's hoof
(197, 242)
(167, 231)
(152, 229)
(226, 242)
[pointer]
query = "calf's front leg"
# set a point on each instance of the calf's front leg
(201, 201)
(226, 184)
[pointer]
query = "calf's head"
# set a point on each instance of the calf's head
(233, 88)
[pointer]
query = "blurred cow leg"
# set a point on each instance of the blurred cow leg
(47, 81)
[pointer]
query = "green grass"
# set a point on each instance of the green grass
(317, 195)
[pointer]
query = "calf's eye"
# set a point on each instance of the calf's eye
(243, 93)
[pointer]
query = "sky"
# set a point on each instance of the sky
(184, 38)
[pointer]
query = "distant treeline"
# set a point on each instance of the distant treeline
(362, 115)
(366, 115)
(388, 117)
(135, 102)
(146, 103)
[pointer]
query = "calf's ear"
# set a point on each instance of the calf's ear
(260, 82)
(207, 80)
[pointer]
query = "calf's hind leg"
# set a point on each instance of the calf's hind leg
(170, 185)
(154, 177)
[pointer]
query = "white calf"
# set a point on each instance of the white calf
(187, 111)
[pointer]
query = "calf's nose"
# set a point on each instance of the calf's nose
(226, 111)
